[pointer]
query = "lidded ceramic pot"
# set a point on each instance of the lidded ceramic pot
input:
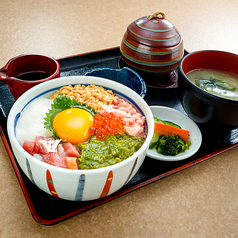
(152, 44)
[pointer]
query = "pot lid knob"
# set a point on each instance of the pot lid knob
(154, 31)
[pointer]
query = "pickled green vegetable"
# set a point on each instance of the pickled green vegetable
(171, 145)
(154, 140)
(166, 122)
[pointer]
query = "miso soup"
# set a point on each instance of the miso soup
(216, 82)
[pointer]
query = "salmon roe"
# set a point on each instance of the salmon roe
(107, 123)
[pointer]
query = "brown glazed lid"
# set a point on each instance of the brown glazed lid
(152, 45)
(154, 31)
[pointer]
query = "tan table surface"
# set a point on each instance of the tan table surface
(197, 202)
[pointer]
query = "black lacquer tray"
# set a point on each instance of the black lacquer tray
(49, 210)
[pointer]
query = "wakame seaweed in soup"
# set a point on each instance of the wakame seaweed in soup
(216, 82)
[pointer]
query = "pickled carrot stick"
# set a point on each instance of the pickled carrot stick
(168, 130)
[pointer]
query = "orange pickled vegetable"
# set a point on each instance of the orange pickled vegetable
(170, 130)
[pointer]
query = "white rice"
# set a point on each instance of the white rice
(31, 122)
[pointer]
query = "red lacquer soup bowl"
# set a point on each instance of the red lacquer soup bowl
(201, 105)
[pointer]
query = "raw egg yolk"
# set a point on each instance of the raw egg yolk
(73, 124)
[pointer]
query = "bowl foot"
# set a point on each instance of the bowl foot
(156, 81)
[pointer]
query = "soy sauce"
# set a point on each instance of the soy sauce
(33, 75)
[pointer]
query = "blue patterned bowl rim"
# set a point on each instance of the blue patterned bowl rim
(140, 79)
